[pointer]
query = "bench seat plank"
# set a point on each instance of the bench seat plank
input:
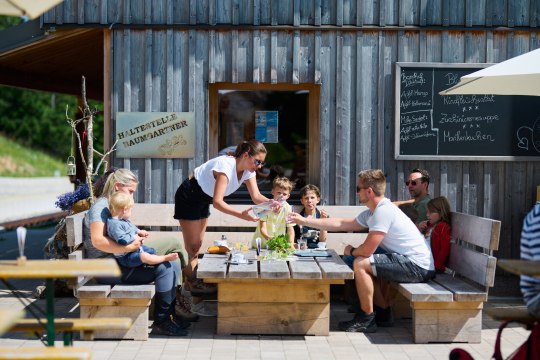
(119, 323)
(36, 353)
(423, 292)
(94, 291)
(462, 290)
(133, 292)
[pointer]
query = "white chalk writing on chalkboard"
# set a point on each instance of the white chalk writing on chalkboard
(460, 127)
(524, 133)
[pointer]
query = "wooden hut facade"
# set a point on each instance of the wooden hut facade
(169, 55)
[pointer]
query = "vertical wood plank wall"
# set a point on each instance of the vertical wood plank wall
(166, 52)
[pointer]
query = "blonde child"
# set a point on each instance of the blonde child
(121, 230)
(310, 197)
(437, 232)
(275, 223)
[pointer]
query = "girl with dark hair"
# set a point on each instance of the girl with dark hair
(438, 232)
(209, 184)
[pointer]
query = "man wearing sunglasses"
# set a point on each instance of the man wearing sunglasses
(407, 257)
(418, 183)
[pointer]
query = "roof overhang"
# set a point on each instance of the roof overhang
(54, 61)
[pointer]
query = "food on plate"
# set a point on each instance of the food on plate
(215, 249)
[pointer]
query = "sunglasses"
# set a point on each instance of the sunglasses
(358, 188)
(413, 182)
(258, 162)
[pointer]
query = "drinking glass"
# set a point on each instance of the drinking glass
(302, 243)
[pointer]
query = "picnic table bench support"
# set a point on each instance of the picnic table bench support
(86, 326)
(49, 290)
(447, 322)
(274, 307)
(132, 301)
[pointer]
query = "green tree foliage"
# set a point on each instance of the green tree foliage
(38, 120)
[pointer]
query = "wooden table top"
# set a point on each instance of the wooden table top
(46, 269)
(8, 317)
(215, 266)
(520, 267)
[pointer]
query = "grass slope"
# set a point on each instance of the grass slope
(20, 161)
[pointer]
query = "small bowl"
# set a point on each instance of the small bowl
(221, 243)
(321, 245)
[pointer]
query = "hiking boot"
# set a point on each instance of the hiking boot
(360, 323)
(167, 328)
(182, 308)
(180, 322)
(384, 317)
(200, 288)
(202, 309)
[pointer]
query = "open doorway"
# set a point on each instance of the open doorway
(289, 129)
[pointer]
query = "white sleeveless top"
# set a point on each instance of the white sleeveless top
(223, 164)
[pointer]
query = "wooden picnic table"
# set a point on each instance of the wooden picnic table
(520, 313)
(520, 267)
(274, 296)
(56, 269)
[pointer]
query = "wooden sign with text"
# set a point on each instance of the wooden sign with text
(155, 134)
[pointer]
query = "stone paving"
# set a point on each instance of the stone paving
(203, 343)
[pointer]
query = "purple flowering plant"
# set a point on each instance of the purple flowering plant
(66, 201)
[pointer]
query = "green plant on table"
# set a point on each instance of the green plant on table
(279, 246)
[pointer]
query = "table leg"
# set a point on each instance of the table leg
(68, 338)
(49, 284)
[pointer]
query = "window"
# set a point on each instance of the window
(293, 149)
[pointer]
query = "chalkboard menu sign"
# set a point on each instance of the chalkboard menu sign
(460, 127)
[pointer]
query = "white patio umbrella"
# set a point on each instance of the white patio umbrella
(516, 76)
(30, 8)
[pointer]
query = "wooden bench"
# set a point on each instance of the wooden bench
(449, 308)
(38, 353)
(106, 301)
(87, 327)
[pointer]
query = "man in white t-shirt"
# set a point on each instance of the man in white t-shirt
(407, 257)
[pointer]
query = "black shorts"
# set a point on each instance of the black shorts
(190, 202)
(398, 268)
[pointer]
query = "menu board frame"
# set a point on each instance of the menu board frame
(401, 153)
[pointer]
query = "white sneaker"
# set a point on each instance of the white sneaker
(202, 309)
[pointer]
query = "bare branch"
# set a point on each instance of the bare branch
(103, 157)
(87, 120)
